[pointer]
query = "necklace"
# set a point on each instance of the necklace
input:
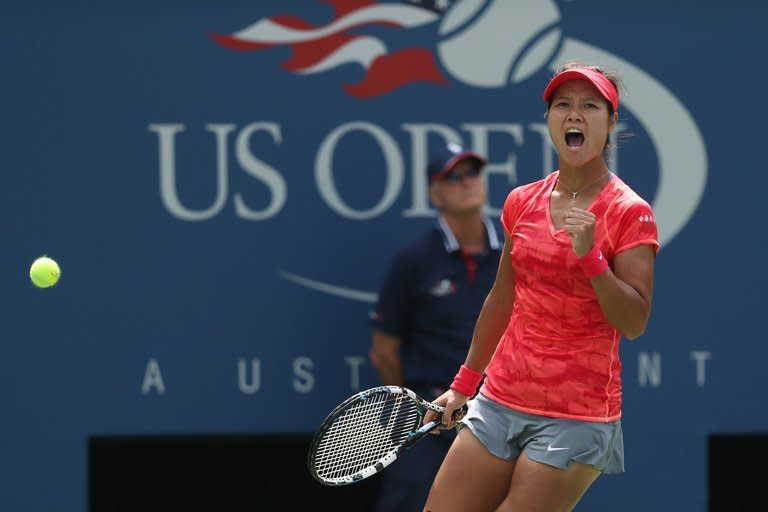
(575, 193)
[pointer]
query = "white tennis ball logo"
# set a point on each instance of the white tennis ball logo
(491, 43)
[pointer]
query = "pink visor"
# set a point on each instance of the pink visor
(599, 80)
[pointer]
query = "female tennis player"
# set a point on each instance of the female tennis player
(576, 274)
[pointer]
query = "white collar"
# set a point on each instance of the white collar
(452, 244)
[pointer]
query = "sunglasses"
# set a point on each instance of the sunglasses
(455, 175)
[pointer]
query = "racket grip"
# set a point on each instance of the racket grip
(456, 415)
(460, 412)
(432, 425)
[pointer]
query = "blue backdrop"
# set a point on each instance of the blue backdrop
(223, 188)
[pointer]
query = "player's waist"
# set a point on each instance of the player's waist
(563, 394)
(600, 412)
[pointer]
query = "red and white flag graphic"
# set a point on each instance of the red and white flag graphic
(317, 49)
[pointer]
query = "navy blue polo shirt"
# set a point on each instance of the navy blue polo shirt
(431, 298)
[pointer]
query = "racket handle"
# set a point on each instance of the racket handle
(457, 415)
(423, 431)
(460, 412)
(432, 425)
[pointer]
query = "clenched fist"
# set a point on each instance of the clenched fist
(580, 226)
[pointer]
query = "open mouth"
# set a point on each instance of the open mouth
(574, 139)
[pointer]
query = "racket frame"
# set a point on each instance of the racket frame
(423, 407)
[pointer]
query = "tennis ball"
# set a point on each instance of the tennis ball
(44, 272)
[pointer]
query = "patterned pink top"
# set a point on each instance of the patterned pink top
(559, 356)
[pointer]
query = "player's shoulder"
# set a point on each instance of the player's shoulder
(533, 189)
(624, 198)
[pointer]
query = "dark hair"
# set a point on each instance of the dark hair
(614, 78)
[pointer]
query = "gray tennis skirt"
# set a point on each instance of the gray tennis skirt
(556, 442)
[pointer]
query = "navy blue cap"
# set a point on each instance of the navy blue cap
(446, 159)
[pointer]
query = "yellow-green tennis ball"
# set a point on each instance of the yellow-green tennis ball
(44, 272)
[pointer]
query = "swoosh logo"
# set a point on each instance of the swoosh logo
(331, 289)
(551, 448)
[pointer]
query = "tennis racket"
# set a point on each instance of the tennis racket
(368, 432)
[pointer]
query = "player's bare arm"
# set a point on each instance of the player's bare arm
(625, 292)
(490, 326)
(495, 313)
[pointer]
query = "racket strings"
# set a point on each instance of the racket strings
(361, 433)
(364, 433)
